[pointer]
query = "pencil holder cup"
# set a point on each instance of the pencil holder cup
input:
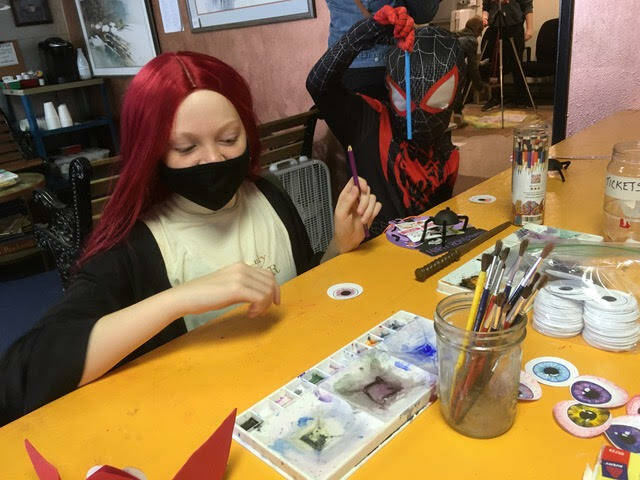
(478, 372)
(530, 164)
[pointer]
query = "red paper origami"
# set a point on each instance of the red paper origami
(207, 463)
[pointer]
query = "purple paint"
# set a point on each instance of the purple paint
(323, 397)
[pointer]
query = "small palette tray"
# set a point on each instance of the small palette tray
(324, 423)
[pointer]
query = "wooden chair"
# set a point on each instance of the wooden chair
(288, 137)
(91, 183)
(16, 152)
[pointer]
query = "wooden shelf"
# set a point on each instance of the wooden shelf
(52, 88)
(19, 255)
(97, 122)
(19, 165)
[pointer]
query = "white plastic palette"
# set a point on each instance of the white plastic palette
(329, 419)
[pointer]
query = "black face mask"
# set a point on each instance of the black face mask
(211, 185)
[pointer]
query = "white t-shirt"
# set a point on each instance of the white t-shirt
(195, 241)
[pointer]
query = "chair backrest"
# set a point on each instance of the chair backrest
(287, 137)
(547, 42)
(68, 225)
(103, 179)
(16, 151)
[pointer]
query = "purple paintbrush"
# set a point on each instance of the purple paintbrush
(354, 174)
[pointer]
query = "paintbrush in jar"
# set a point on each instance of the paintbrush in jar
(493, 270)
(548, 248)
(516, 266)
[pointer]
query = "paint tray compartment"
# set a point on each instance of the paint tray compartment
(370, 340)
(315, 376)
(283, 398)
(384, 387)
(381, 332)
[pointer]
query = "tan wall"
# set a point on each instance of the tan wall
(274, 58)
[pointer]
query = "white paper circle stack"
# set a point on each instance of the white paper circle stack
(558, 309)
(611, 320)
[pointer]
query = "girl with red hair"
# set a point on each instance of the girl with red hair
(190, 230)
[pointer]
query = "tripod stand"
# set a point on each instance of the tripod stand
(501, 26)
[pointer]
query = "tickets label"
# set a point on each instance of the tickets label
(623, 188)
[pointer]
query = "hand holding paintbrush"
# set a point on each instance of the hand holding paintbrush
(354, 175)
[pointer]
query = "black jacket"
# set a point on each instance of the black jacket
(514, 11)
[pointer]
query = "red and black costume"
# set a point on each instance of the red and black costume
(407, 176)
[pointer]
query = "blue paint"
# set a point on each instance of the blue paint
(403, 366)
(424, 352)
(407, 81)
(280, 445)
(302, 421)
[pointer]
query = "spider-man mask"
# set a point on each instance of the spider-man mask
(436, 67)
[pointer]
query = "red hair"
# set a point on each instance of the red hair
(147, 116)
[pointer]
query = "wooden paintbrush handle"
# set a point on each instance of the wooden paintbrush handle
(454, 255)
(438, 264)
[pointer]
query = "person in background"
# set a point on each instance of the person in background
(468, 39)
(190, 230)
(409, 176)
(516, 13)
(366, 73)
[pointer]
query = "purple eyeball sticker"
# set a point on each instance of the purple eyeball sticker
(598, 392)
(584, 421)
(528, 389)
(633, 407)
(624, 433)
(344, 291)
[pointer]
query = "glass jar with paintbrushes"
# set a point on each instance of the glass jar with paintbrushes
(478, 342)
(478, 371)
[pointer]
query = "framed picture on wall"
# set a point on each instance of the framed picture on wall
(120, 35)
(30, 12)
(220, 14)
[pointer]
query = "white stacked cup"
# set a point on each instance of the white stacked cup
(51, 116)
(64, 115)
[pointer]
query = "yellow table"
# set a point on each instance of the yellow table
(597, 141)
(154, 412)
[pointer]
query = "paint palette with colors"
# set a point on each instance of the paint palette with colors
(324, 423)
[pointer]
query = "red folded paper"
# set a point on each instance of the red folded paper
(207, 463)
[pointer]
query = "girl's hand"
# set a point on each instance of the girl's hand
(354, 211)
(236, 283)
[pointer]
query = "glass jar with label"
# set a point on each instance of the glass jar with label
(621, 210)
(530, 162)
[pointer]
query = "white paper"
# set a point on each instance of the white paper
(170, 13)
(8, 55)
(623, 188)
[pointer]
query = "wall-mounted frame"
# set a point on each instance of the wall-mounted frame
(120, 35)
(30, 12)
(207, 15)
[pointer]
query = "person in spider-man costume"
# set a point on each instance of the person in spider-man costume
(407, 176)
